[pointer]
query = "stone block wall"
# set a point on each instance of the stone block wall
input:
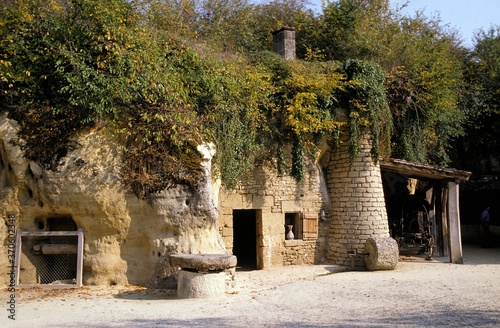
(273, 196)
(358, 204)
(299, 252)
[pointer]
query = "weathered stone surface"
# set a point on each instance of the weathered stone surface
(203, 262)
(201, 284)
(127, 240)
(383, 253)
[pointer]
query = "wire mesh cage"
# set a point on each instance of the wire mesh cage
(49, 258)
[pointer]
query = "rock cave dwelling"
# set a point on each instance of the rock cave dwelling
(79, 225)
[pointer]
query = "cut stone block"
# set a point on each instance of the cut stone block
(201, 284)
(381, 253)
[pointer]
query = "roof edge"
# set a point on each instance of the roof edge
(417, 170)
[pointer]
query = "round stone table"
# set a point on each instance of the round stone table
(202, 275)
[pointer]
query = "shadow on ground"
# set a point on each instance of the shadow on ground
(446, 317)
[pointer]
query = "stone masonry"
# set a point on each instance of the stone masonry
(299, 252)
(273, 196)
(358, 204)
(352, 197)
(284, 42)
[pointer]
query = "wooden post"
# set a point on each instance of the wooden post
(455, 237)
(19, 245)
(431, 199)
(445, 220)
(79, 259)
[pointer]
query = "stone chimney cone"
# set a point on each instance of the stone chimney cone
(284, 42)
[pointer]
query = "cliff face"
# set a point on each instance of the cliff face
(127, 240)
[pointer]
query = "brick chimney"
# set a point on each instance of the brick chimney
(284, 42)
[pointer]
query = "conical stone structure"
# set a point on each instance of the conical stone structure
(358, 204)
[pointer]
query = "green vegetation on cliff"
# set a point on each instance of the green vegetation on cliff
(165, 76)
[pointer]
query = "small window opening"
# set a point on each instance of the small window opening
(293, 220)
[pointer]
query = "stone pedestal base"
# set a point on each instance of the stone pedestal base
(201, 284)
(202, 275)
(382, 253)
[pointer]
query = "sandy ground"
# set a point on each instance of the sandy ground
(417, 294)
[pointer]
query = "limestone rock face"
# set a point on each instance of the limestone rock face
(383, 253)
(127, 240)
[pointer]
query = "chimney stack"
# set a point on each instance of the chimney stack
(284, 42)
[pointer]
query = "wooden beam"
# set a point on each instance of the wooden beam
(456, 255)
(56, 248)
(419, 170)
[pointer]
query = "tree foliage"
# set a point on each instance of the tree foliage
(302, 108)
(423, 93)
(420, 59)
(72, 64)
(69, 65)
(480, 103)
(166, 76)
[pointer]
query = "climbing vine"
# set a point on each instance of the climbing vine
(368, 112)
(303, 109)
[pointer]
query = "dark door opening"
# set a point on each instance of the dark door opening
(245, 238)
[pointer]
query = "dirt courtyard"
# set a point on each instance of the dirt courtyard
(417, 294)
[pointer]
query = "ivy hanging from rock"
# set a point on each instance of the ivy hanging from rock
(368, 112)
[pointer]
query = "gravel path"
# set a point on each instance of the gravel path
(417, 294)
